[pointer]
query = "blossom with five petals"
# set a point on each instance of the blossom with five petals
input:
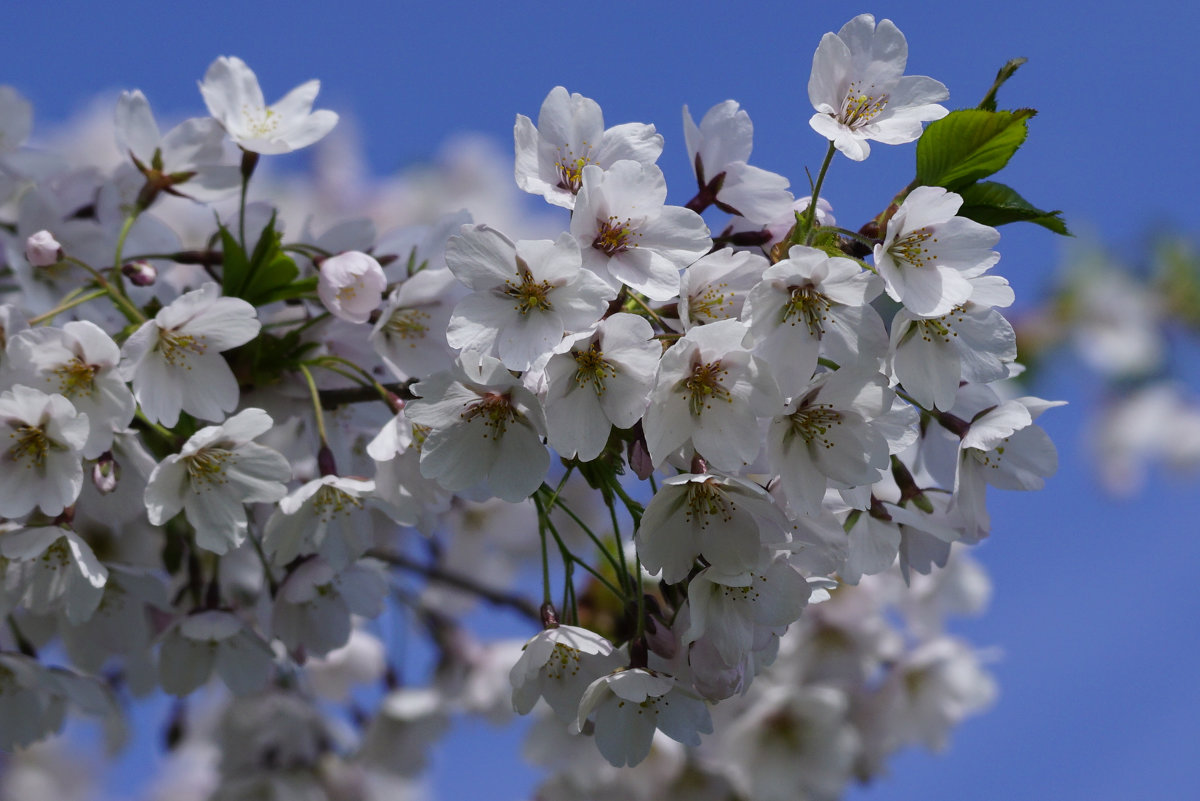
(234, 98)
(860, 92)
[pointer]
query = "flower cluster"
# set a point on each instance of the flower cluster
(728, 447)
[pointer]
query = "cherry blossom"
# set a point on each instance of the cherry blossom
(174, 360)
(218, 471)
(860, 92)
(570, 135)
(234, 99)
(43, 438)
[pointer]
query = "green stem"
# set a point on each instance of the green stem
(78, 300)
(809, 228)
(612, 514)
(131, 312)
(370, 379)
(855, 235)
(158, 428)
(118, 279)
(616, 564)
(653, 314)
(316, 399)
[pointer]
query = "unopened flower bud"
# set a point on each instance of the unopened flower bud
(42, 249)
(351, 285)
(105, 473)
(139, 273)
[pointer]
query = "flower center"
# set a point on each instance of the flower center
(706, 502)
(330, 501)
(176, 347)
(591, 368)
(807, 304)
(914, 247)
(812, 423)
(32, 444)
(529, 294)
(704, 384)
(941, 327)
(570, 169)
(711, 304)
(408, 324)
(614, 236)
(207, 467)
(75, 378)
(563, 662)
(496, 410)
(261, 122)
(992, 458)
(860, 107)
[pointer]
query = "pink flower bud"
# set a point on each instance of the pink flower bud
(351, 285)
(139, 273)
(42, 249)
(105, 473)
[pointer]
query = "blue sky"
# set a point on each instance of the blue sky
(1095, 600)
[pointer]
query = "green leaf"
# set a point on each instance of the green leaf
(269, 274)
(969, 145)
(296, 289)
(993, 203)
(235, 267)
(989, 100)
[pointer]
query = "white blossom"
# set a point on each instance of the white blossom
(218, 471)
(860, 92)
(929, 254)
(570, 135)
(174, 360)
(42, 437)
(234, 99)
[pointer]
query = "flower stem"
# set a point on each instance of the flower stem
(67, 304)
(131, 312)
(316, 398)
(809, 230)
